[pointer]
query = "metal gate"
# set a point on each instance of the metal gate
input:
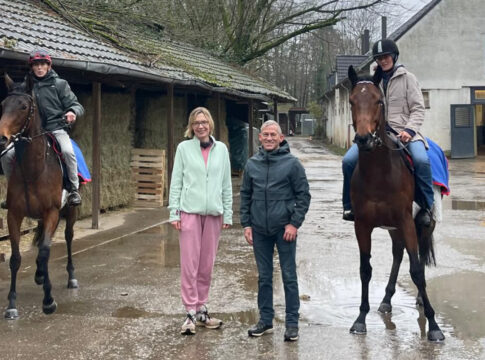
(463, 132)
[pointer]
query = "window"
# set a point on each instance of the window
(426, 99)
(478, 95)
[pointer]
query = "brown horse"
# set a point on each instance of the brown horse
(382, 193)
(34, 189)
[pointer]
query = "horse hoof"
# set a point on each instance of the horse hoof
(49, 309)
(385, 308)
(39, 279)
(358, 329)
(72, 284)
(436, 336)
(11, 314)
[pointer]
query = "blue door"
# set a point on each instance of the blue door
(463, 133)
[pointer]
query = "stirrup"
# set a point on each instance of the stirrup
(348, 215)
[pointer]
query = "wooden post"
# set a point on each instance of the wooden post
(96, 196)
(170, 136)
(250, 130)
(219, 117)
(275, 110)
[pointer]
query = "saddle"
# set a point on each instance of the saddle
(54, 145)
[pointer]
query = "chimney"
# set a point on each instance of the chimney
(365, 42)
(384, 27)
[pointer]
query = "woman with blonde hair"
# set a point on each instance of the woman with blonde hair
(200, 206)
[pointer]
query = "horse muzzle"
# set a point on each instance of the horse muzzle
(365, 143)
(3, 142)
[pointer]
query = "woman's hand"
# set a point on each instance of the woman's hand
(226, 226)
(176, 225)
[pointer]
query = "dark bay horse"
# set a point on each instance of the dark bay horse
(382, 193)
(34, 189)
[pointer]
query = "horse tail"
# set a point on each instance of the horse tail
(425, 242)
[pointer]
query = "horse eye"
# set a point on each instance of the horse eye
(24, 107)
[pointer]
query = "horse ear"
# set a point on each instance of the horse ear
(8, 82)
(376, 79)
(29, 83)
(352, 76)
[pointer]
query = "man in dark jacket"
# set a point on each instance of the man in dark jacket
(58, 107)
(275, 197)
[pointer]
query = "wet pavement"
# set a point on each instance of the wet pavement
(128, 304)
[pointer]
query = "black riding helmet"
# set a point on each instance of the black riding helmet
(385, 47)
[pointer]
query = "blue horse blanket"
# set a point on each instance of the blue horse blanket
(82, 168)
(439, 167)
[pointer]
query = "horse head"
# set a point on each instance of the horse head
(367, 109)
(17, 110)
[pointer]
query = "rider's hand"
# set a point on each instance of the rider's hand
(70, 117)
(405, 137)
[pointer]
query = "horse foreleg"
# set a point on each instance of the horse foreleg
(39, 276)
(364, 239)
(50, 223)
(397, 254)
(15, 261)
(72, 283)
(417, 275)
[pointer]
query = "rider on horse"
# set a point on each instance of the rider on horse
(404, 111)
(58, 108)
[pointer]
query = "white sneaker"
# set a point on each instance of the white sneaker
(204, 319)
(188, 328)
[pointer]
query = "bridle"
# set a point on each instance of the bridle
(374, 136)
(19, 135)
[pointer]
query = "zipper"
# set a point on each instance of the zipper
(266, 192)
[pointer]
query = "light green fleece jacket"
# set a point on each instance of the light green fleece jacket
(197, 189)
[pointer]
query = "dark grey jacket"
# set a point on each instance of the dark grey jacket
(55, 98)
(274, 191)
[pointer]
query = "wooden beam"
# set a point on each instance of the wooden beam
(170, 136)
(219, 117)
(251, 124)
(275, 110)
(96, 196)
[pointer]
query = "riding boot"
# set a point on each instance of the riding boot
(3, 204)
(74, 198)
(424, 217)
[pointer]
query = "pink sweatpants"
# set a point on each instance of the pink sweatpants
(199, 239)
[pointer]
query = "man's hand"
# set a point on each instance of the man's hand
(70, 117)
(290, 233)
(226, 226)
(176, 225)
(405, 137)
(248, 235)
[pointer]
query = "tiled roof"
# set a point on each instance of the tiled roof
(25, 25)
(343, 62)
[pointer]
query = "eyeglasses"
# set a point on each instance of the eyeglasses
(198, 123)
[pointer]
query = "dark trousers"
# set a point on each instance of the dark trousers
(263, 246)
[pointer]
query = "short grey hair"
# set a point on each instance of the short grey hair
(272, 123)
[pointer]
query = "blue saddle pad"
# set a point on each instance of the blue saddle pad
(82, 168)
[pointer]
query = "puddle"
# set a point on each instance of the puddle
(129, 312)
(467, 204)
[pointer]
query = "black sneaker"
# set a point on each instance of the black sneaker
(348, 215)
(291, 333)
(260, 329)
(74, 198)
